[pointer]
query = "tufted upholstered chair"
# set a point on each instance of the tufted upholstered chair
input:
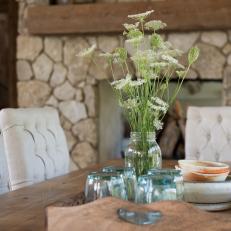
(4, 174)
(208, 134)
(35, 145)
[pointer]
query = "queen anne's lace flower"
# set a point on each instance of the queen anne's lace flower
(138, 82)
(131, 26)
(153, 76)
(159, 101)
(158, 105)
(157, 124)
(158, 108)
(87, 52)
(141, 16)
(155, 61)
(120, 84)
(170, 59)
(155, 25)
(159, 64)
(130, 104)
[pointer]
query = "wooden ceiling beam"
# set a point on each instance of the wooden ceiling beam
(3, 6)
(180, 15)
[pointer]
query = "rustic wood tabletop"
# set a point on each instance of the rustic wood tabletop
(25, 209)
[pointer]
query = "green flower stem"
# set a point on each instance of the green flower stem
(178, 87)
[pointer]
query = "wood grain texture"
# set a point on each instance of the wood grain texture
(4, 5)
(8, 33)
(101, 215)
(12, 35)
(180, 15)
(24, 209)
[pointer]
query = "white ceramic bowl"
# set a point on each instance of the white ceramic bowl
(207, 192)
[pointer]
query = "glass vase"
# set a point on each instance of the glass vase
(143, 152)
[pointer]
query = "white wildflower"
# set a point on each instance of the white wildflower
(169, 59)
(141, 16)
(160, 102)
(131, 26)
(158, 124)
(130, 104)
(153, 76)
(120, 84)
(87, 52)
(138, 82)
(159, 64)
(157, 108)
(155, 25)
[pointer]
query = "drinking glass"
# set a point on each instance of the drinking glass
(103, 184)
(129, 176)
(144, 190)
(167, 184)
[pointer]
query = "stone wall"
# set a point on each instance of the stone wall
(49, 74)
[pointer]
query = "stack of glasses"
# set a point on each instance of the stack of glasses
(121, 182)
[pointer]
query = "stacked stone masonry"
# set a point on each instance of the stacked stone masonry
(50, 74)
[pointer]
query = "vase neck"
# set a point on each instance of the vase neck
(143, 135)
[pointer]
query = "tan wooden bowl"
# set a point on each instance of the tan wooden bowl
(194, 170)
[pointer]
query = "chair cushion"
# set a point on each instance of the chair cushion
(35, 145)
(208, 133)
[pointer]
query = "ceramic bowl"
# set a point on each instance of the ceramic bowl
(195, 176)
(203, 167)
(208, 192)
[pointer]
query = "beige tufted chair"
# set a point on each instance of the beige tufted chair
(208, 133)
(35, 145)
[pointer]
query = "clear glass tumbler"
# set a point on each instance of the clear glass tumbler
(144, 190)
(167, 184)
(103, 184)
(129, 176)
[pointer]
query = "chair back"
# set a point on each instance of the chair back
(4, 174)
(35, 145)
(208, 134)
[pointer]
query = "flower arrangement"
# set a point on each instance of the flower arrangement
(145, 96)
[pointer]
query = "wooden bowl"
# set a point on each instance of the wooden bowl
(194, 170)
(204, 167)
(195, 176)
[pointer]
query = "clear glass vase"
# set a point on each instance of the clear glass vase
(143, 152)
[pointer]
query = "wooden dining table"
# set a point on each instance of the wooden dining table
(25, 208)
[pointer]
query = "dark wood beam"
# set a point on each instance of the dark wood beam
(12, 50)
(4, 6)
(180, 15)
